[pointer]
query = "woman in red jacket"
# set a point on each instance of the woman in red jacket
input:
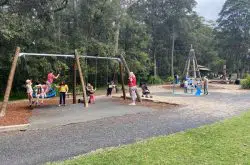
(132, 87)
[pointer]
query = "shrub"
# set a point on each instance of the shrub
(170, 79)
(155, 80)
(245, 84)
(246, 75)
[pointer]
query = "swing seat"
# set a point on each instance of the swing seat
(51, 93)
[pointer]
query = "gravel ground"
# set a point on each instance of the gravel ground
(62, 142)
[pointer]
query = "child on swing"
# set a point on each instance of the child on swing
(29, 91)
(91, 93)
(40, 93)
(50, 79)
(110, 88)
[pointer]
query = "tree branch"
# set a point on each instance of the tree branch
(64, 5)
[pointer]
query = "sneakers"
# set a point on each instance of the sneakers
(132, 104)
(59, 105)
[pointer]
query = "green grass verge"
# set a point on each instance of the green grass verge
(226, 143)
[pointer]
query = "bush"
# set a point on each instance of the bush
(246, 75)
(155, 80)
(245, 84)
(170, 79)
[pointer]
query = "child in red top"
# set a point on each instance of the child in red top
(132, 87)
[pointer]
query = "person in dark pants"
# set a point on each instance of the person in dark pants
(110, 88)
(205, 85)
(63, 89)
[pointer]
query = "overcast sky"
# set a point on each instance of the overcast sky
(209, 8)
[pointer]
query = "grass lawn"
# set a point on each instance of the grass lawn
(226, 143)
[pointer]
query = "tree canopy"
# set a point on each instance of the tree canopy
(147, 30)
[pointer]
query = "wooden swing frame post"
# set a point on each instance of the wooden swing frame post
(128, 71)
(74, 81)
(85, 99)
(9, 83)
(76, 65)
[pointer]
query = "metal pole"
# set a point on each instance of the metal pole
(9, 83)
(68, 55)
(122, 80)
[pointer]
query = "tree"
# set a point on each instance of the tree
(160, 18)
(233, 32)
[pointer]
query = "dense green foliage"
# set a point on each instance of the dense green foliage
(146, 32)
(233, 34)
(245, 83)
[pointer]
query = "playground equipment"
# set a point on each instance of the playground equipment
(191, 62)
(191, 73)
(76, 65)
(51, 93)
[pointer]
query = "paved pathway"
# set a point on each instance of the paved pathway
(51, 116)
(61, 142)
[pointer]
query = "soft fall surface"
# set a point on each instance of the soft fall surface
(226, 142)
(18, 112)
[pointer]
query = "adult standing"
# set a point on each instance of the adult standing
(176, 77)
(132, 87)
(63, 90)
(205, 85)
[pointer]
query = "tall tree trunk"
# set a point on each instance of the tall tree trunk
(117, 34)
(155, 64)
(172, 53)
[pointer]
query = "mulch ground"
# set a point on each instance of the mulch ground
(147, 103)
(19, 112)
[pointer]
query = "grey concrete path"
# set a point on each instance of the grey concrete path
(62, 142)
(52, 116)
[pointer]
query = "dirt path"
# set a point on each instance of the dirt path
(222, 101)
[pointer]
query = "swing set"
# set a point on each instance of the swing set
(108, 80)
(76, 66)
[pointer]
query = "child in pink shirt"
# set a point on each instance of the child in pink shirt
(50, 79)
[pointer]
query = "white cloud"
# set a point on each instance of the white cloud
(209, 8)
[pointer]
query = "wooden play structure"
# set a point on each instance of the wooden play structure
(191, 68)
(76, 65)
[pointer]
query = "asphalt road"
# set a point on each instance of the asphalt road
(62, 142)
